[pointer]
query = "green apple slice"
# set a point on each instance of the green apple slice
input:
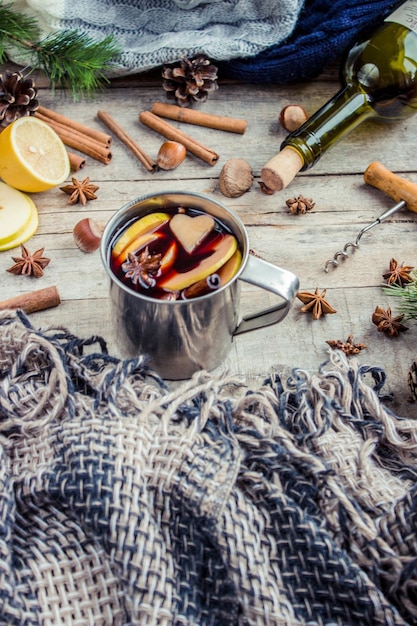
(229, 269)
(135, 245)
(223, 251)
(18, 217)
(147, 223)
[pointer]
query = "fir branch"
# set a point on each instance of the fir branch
(407, 297)
(15, 29)
(75, 61)
(69, 59)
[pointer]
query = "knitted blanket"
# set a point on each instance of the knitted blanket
(123, 503)
(160, 31)
(256, 41)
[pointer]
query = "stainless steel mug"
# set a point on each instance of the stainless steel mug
(184, 336)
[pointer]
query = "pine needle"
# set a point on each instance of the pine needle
(70, 59)
(16, 29)
(407, 297)
(75, 61)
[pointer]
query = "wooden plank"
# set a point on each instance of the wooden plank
(301, 243)
(260, 105)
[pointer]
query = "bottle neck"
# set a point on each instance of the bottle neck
(346, 110)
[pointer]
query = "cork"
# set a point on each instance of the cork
(281, 169)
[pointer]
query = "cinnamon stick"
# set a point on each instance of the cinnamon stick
(199, 118)
(33, 301)
(77, 162)
(98, 135)
(170, 132)
(74, 139)
(115, 128)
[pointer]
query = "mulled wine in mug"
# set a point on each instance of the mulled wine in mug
(175, 262)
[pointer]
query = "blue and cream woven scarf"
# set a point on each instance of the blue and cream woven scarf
(125, 504)
(253, 40)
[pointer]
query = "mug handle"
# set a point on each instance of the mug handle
(272, 278)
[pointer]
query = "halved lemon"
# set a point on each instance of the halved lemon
(32, 156)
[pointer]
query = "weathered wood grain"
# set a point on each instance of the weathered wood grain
(301, 243)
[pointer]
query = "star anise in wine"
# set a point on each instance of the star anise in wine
(348, 347)
(300, 204)
(398, 274)
(386, 322)
(142, 268)
(80, 191)
(29, 264)
(315, 303)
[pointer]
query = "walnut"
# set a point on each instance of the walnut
(235, 178)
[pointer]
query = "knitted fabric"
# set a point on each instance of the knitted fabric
(325, 30)
(123, 503)
(253, 41)
(154, 32)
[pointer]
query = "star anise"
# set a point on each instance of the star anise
(388, 324)
(300, 204)
(348, 347)
(398, 274)
(142, 268)
(29, 264)
(315, 303)
(80, 191)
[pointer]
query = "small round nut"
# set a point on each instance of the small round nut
(170, 155)
(236, 178)
(292, 117)
(87, 234)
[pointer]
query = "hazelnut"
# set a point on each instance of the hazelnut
(235, 178)
(87, 234)
(292, 117)
(170, 155)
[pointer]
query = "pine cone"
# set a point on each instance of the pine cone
(192, 79)
(17, 97)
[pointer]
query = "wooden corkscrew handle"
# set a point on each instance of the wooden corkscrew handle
(393, 185)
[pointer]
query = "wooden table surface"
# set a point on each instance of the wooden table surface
(300, 243)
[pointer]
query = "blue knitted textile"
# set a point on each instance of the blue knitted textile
(274, 41)
(325, 29)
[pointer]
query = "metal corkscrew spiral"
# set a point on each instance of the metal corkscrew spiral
(343, 254)
(403, 191)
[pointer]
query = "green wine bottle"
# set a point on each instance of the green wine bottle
(379, 79)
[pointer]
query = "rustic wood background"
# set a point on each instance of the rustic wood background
(300, 243)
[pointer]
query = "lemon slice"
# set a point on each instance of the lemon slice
(18, 217)
(32, 156)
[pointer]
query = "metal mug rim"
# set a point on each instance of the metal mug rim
(108, 232)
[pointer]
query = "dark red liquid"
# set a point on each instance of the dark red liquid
(184, 261)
